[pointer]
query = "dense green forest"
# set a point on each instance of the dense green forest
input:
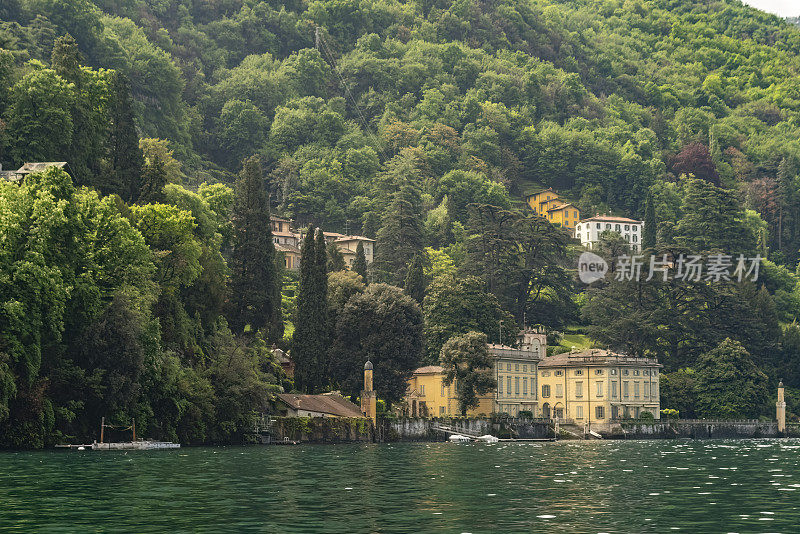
(143, 282)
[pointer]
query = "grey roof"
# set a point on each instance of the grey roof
(595, 357)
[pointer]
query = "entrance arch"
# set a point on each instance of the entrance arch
(546, 410)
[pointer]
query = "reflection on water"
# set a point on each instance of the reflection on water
(611, 486)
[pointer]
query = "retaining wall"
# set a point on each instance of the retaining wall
(695, 429)
(322, 429)
(419, 429)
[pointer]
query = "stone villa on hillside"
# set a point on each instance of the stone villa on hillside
(593, 387)
(287, 242)
(588, 230)
(19, 175)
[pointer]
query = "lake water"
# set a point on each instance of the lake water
(595, 486)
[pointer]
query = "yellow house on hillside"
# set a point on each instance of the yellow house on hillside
(595, 387)
(549, 205)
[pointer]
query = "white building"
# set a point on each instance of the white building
(589, 230)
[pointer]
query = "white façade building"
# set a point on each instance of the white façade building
(589, 230)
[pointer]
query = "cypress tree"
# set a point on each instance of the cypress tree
(126, 160)
(360, 263)
(415, 280)
(649, 230)
(309, 343)
(255, 293)
(400, 236)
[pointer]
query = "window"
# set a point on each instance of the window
(614, 390)
(524, 368)
(598, 226)
(625, 372)
(546, 391)
(500, 385)
(441, 410)
(627, 227)
(516, 385)
(635, 238)
(636, 372)
(608, 226)
(613, 371)
(443, 395)
(524, 385)
(646, 372)
(625, 390)
(617, 227)
(599, 389)
(508, 367)
(508, 386)
(598, 371)
(599, 412)
(575, 213)
(559, 373)
(559, 390)
(579, 389)
(422, 389)
(545, 373)
(578, 372)
(636, 390)
(579, 412)
(646, 390)
(516, 367)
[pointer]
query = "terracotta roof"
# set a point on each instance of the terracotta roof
(285, 234)
(595, 357)
(549, 189)
(429, 369)
(611, 218)
(331, 403)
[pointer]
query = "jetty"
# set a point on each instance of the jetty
(133, 445)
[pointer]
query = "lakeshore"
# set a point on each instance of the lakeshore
(577, 486)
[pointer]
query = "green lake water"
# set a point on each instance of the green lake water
(597, 486)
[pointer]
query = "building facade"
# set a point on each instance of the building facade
(549, 205)
(588, 230)
(596, 387)
(287, 242)
(514, 369)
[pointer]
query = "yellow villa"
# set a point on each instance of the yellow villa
(595, 387)
(549, 205)
(515, 370)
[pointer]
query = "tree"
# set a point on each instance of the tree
(415, 283)
(729, 384)
(360, 263)
(650, 226)
(255, 284)
(400, 236)
(384, 326)
(126, 161)
(335, 258)
(457, 306)
(467, 362)
(695, 159)
(679, 392)
(154, 178)
(310, 338)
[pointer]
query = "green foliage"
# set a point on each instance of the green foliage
(384, 326)
(467, 362)
(729, 385)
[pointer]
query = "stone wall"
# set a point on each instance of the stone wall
(322, 429)
(419, 429)
(694, 428)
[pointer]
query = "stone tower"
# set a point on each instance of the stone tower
(368, 398)
(781, 410)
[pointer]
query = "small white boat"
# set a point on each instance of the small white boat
(458, 438)
(488, 438)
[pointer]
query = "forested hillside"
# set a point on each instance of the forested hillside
(422, 124)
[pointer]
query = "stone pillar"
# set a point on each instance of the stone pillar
(781, 410)
(368, 397)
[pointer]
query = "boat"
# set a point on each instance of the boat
(458, 438)
(488, 438)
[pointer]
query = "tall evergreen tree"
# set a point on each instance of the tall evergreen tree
(415, 283)
(125, 158)
(154, 178)
(310, 339)
(360, 263)
(335, 258)
(255, 290)
(650, 224)
(400, 236)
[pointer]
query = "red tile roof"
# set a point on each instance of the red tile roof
(331, 403)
